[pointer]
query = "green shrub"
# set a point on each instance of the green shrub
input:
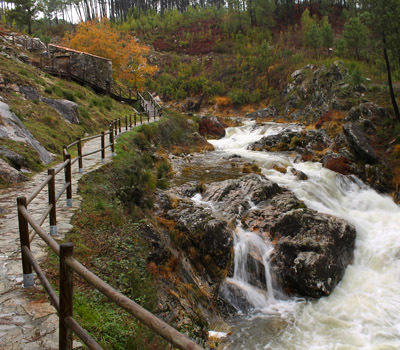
(68, 95)
(239, 96)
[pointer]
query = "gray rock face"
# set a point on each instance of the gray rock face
(15, 159)
(358, 143)
(9, 175)
(67, 109)
(30, 93)
(12, 128)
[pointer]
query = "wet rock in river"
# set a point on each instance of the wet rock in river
(312, 251)
(211, 127)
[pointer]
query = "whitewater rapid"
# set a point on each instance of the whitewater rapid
(363, 312)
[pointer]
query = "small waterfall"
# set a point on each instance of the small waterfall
(251, 246)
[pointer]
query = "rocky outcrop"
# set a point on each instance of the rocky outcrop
(211, 127)
(9, 175)
(67, 109)
(12, 128)
(315, 90)
(311, 250)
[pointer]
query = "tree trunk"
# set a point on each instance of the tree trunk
(390, 83)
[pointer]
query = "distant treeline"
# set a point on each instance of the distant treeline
(282, 12)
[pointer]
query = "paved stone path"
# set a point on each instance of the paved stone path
(27, 320)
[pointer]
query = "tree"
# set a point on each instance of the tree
(311, 32)
(127, 55)
(327, 35)
(383, 17)
(355, 35)
(23, 13)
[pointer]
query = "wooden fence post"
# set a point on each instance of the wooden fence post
(103, 145)
(80, 159)
(24, 238)
(126, 123)
(66, 296)
(148, 118)
(119, 125)
(68, 179)
(52, 202)
(112, 142)
(141, 120)
(130, 120)
(115, 127)
(134, 118)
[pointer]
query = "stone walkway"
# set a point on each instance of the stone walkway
(27, 320)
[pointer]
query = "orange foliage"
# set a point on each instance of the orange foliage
(222, 102)
(98, 38)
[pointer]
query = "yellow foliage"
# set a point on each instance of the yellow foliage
(397, 149)
(222, 102)
(98, 38)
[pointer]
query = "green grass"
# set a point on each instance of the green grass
(46, 125)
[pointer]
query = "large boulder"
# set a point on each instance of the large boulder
(12, 128)
(211, 127)
(311, 252)
(67, 109)
(358, 143)
(9, 175)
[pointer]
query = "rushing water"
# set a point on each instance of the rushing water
(363, 312)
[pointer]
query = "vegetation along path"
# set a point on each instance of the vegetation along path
(27, 320)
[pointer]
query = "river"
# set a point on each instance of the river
(363, 312)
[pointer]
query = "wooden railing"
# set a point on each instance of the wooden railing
(68, 264)
(151, 107)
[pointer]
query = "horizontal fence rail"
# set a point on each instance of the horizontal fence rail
(68, 264)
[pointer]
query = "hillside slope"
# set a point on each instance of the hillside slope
(53, 110)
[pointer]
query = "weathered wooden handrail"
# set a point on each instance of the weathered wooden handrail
(68, 264)
(37, 190)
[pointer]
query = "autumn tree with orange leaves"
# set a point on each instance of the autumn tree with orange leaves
(99, 38)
